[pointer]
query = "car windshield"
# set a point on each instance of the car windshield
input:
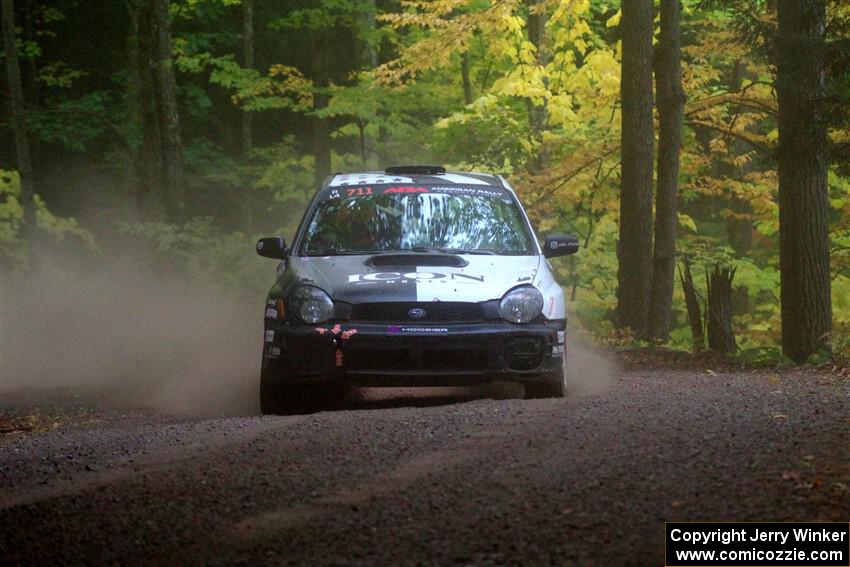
(483, 222)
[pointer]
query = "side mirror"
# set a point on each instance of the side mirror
(272, 247)
(560, 245)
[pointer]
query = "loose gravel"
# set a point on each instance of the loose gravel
(585, 480)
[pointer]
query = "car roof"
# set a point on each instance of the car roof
(419, 175)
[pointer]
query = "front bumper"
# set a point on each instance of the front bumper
(381, 354)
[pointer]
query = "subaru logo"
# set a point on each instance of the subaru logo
(417, 313)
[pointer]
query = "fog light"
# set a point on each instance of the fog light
(524, 353)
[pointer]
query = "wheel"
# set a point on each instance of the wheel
(553, 386)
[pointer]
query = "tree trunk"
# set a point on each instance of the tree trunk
(464, 75)
(248, 63)
(634, 249)
(370, 53)
(169, 117)
(19, 121)
(692, 302)
(803, 206)
(671, 101)
(721, 337)
(150, 191)
(538, 115)
(321, 128)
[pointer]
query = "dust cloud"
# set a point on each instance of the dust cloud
(590, 370)
(128, 336)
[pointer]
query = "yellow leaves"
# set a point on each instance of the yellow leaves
(283, 87)
(579, 29)
(614, 20)
(451, 24)
(580, 44)
(686, 221)
(11, 211)
(561, 110)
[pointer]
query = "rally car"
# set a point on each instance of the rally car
(413, 276)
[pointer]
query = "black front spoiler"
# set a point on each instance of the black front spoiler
(381, 354)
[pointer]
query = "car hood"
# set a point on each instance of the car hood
(415, 277)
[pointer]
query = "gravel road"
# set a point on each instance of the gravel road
(587, 480)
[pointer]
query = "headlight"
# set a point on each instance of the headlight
(521, 305)
(312, 305)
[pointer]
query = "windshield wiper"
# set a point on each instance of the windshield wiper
(467, 251)
(338, 252)
(451, 250)
(415, 249)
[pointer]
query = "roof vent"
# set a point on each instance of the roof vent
(415, 170)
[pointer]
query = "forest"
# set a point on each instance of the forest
(699, 149)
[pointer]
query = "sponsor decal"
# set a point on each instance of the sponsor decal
(562, 336)
(417, 313)
(551, 306)
(269, 336)
(271, 313)
(473, 191)
(405, 277)
(358, 192)
(395, 329)
(364, 187)
(338, 357)
(406, 190)
(274, 352)
(557, 351)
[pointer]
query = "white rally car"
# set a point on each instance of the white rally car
(412, 277)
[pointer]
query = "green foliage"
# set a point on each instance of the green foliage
(760, 357)
(396, 94)
(11, 214)
(73, 123)
(57, 230)
(201, 251)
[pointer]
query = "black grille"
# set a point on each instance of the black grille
(420, 354)
(435, 312)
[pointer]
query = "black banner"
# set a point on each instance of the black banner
(761, 544)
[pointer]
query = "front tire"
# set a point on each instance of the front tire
(553, 386)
